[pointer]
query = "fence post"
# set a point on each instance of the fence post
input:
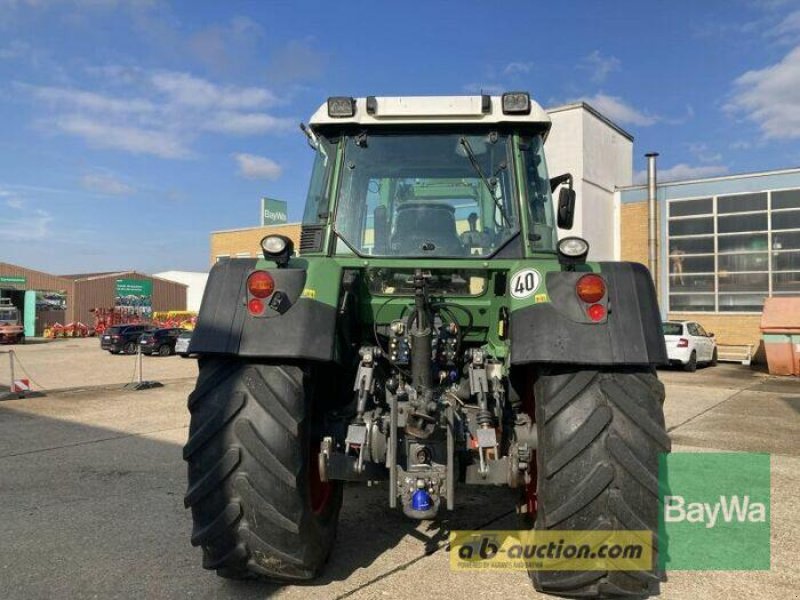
(11, 358)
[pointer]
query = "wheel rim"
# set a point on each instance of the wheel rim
(319, 492)
(163, 351)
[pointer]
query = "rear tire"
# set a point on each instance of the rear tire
(164, 350)
(691, 366)
(129, 348)
(714, 358)
(258, 507)
(600, 435)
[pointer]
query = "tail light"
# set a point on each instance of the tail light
(591, 288)
(255, 306)
(596, 312)
(260, 284)
(683, 343)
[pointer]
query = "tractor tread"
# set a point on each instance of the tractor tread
(600, 434)
(587, 432)
(259, 449)
(248, 462)
(212, 478)
(224, 413)
(218, 526)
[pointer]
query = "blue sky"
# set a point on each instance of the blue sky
(131, 129)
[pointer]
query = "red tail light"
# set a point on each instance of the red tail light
(255, 306)
(683, 343)
(260, 284)
(591, 288)
(596, 312)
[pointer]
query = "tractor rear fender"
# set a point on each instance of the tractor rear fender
(560, 331)
(299, 326)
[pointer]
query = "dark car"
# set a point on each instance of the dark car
(123, 338)
(160, 341)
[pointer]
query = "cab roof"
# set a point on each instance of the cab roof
(430, 110)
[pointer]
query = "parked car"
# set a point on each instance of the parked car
(160, 341)
(123, 338)
(182, 345)
(688, 344)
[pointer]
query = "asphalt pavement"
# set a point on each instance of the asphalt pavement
(92, 484)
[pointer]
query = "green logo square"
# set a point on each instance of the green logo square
(714, 511)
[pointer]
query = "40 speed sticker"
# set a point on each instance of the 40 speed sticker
(524, 283)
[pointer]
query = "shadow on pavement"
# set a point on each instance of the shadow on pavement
(88, 510)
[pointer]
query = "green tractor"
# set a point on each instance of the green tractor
(431, 333)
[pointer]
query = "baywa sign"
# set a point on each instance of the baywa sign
(715, 511)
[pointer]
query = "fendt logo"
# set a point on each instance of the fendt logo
(731, 509)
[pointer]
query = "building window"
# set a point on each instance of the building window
(727, 253)
(219, 257)
(242, 255)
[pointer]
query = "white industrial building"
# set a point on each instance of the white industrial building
(195, 282)
(599, 155)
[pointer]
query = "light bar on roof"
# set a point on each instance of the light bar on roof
(427, 106)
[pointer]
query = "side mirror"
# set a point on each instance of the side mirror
(710, 334)
(566, 208)
(381, 224)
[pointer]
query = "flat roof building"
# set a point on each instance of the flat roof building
(724, 245)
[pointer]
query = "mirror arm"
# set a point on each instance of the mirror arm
(558, 180)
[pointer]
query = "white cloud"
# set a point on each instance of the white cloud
(518, 68)
(186, 90)
(788, 29)
(741, 145)
(89, 101)
(15, 203)
(236, 123)
(619, 111)
(26, 225)
(770, 97)
(485, 88)
(14, 49)
(600, 66)
(135, 140)
(701, 152)
(104, 183)
(252, 166)
(681, 172)
(158, 113)
(298, 60)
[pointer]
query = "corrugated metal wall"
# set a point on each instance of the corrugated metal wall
(95, 292)
(99, 292)
(37, 280)
(44, 282)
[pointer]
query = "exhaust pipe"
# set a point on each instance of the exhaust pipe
(652, 217)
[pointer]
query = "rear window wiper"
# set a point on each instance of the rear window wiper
(489, 185)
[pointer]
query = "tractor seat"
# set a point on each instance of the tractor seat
(426, 229)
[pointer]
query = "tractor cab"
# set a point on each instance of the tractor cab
(403, 178)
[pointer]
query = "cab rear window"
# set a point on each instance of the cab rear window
(672, 328)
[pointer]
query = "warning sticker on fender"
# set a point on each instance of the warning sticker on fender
(524, 283)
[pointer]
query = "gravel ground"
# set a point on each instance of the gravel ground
(91, 487)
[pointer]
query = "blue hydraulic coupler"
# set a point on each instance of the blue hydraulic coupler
(421, 504)
(421, 501)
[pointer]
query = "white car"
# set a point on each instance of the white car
(688, 344)
(182, 344)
